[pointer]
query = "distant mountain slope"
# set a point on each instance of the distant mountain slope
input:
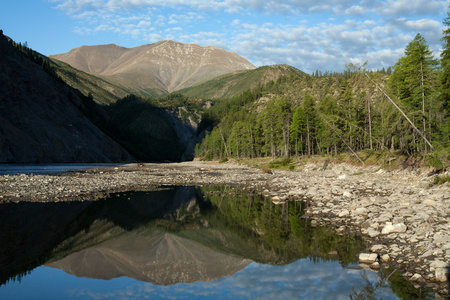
(102, 92)
(40, 117)
(232, 85)
(160, 68)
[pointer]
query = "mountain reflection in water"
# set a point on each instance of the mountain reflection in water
(151, 255)
(171, 236)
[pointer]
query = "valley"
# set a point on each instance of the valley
(362, 147)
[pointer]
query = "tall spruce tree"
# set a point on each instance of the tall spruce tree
(445, 81)
(413, 81)
(445, 63)
(297, 131)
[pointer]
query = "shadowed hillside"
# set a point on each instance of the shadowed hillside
(41, 119)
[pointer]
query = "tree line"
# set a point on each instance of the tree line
(403, 110)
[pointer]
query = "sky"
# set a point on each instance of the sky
(309, 35)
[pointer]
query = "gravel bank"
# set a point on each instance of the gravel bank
(406, 221)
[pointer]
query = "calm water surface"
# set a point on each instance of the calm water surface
(48, 168)
(180, 242)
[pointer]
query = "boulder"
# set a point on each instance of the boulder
(416, 277)
(377, 248)
(343, 213)
(360, 211)
(347, 194)
(396, 228)
(429, 202)
(442, 274)
(368, 258)
(385, 257)
(372, 232)
(438, 264)
(375, 266)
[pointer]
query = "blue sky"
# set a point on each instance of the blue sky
(308, 35)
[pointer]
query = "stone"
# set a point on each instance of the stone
(442, 274)
(385, 257)
(360, 211)
(429, 202)
(341, 177)
(368, 258)
(388, 228)
(372, 232)
(375, 265)
(377, 248)
(438, 264)
(347, 194)
(343, 213)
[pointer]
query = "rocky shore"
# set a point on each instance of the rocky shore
(405, 221)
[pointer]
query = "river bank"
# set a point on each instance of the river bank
(404, 220)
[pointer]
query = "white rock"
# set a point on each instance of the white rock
(438, 264)
(429, 202)
(360, 211)
(368, 258)
(347, 194)
(372, 232)
(416, 277)
(343, 213)
(442, 274)
(342, 176)
(375, 265)
(385, 257)
(377, 248)
(388, 228)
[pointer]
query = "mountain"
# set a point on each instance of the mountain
(154, 69)
(41, 118)
(151, 255)
(101, 91)
(235, 84)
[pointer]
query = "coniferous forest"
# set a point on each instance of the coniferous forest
(403, 110)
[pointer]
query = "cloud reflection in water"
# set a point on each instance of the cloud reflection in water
(302, 279)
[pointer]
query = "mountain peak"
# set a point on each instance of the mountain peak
(165, 66)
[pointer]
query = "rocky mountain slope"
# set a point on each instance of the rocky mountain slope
(159, 68)
(41, 119)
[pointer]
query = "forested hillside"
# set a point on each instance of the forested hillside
(403, 113)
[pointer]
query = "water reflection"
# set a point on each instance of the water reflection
(225, 242)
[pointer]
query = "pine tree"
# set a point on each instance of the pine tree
(445, 63)
(297, 130)
(413, 80)
(309, 107)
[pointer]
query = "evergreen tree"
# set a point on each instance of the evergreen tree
(445, 63)
(309, 107)
(413, 81)
(297, 130)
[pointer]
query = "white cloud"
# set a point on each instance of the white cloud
(411, 7)
(302, 33)
(355, 10)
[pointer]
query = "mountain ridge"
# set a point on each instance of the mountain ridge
(163, 67)
(42, 119)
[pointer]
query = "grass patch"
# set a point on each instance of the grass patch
(281, 163)
(440, 180)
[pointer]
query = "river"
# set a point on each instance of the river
(182, 242)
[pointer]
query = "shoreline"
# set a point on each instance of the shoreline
(406, 221)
